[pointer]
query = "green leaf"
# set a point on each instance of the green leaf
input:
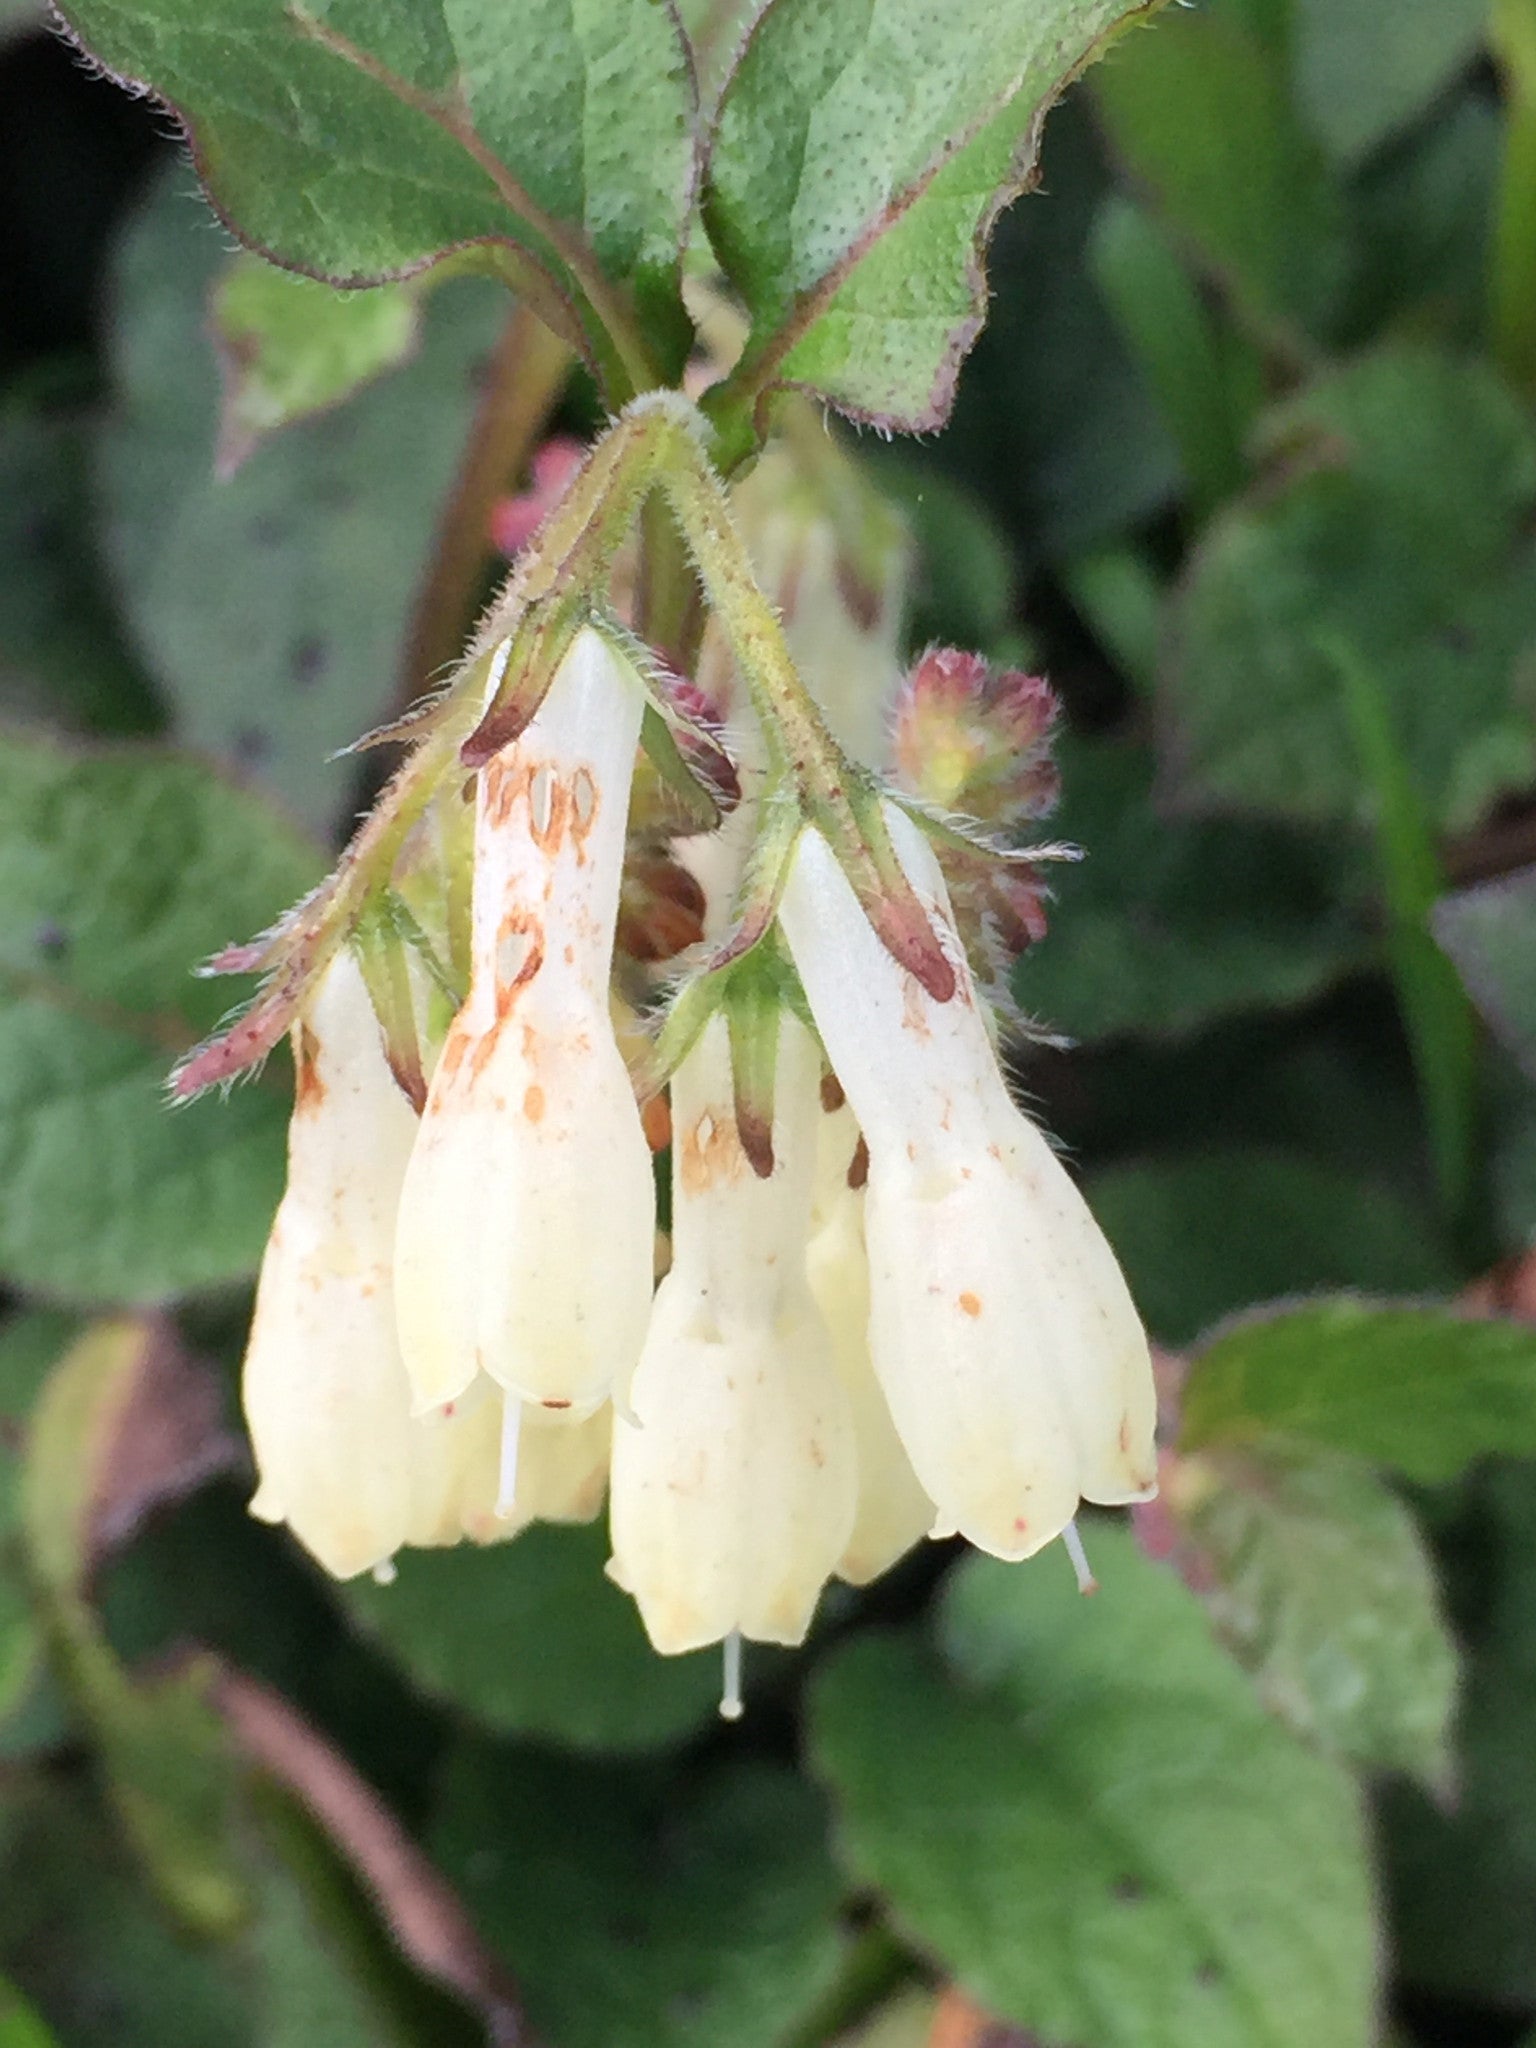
(1512, 1164)
(1208, 380)
(359, 142)
(82, 1938)
(1054, 422)
(30, 1344)
(1490, 933)
(1171, 922)
(1204, 1234)
(859, 159)
(1420, 216)
(222, 1842)
(1118, 595)
(1424, 1390)
(20, 2026)
(1396, 524)
(1201, 115)
(641, 1910)
(1323, 1590)
(272, 606)
(119, 870)
(1091, 1821)
(1437, 1017)
(963, 576)
(167, 1767)
(63, 655)
(1461, 1877)
(1358, 84)
(531, 1638)
(292, 346)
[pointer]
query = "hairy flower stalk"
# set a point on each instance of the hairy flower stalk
(524, 1245)
(734, 1486)
(341, 1459)
(1000, 1326)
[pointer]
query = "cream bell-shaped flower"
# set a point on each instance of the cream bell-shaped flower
(340, 1457)
(1001, 1328)
(893, 1510)
(733, 1487)
(526, 1223)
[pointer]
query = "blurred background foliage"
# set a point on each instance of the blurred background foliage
(1245, 460)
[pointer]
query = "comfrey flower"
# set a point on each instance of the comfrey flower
(888, 1310)
(1000, 1326)
(524, 1245)
(734, 1483)
(341, 1458)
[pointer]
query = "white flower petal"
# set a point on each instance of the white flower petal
(733, 1489)
(526, 1225)
(1001, 1329)
(340, 1457)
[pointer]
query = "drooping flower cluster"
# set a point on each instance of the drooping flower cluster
(886, 1311)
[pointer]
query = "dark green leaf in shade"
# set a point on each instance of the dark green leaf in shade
(20, 2026)
(1396, 522)
(168, 1771)
(32, 1715)
(963, 575)
(82, 1938)
(1512, 1162)
(1170, 921)
(643, 1910)
(1356, 85)
(1490, 933)
(18, 16)
(359, 142)
(119, 871)
(859, 159)
(1092, 1823)
(292, 346)
(203, 1770)
(1204, 1234)
(1118, 595)
(1461, 1877)
(1055, 424)
(272, 606)
(63, 654)
(1420, 215)
(207, 1573)
(1321, 1586)
(1200, 113)
(1208, 378)
(530, 1638)
(1437, 1018)
(1423, 1390)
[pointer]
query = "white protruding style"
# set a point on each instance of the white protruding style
(1015, 1365)
(526, 1225)
(733, 1490)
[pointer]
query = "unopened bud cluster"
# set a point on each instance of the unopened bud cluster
(885, 1313)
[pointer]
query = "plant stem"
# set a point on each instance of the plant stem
(523, 383)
